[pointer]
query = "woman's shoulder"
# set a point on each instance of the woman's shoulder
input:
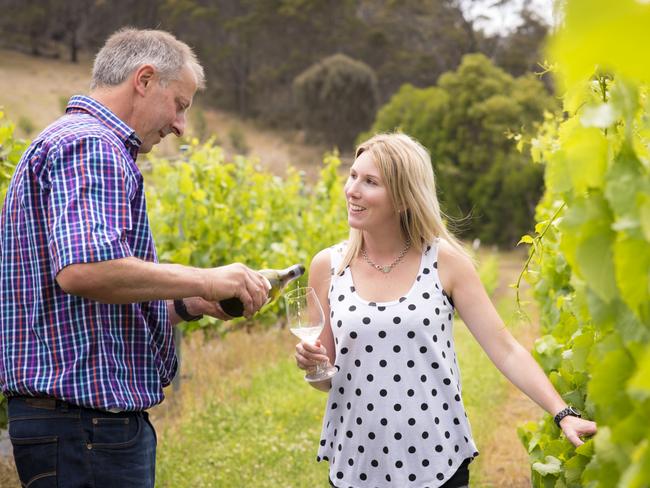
(323, 259)
(451, 252)
(453, 262)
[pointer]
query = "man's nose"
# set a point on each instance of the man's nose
(178, 126)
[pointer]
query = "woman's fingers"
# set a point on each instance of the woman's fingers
(575, 427)
(309, 355)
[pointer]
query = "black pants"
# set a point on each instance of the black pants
(460, 479)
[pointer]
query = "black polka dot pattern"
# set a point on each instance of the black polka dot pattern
(395, 416)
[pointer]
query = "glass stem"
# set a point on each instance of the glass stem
(321, 367)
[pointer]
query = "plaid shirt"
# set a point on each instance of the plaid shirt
(77, 196)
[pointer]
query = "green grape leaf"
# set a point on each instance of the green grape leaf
(632, 263)
(594, 260)
(551, 465)
(586, 153)
(644, 214)
(597, 33)
(639, 385)
(606, 387)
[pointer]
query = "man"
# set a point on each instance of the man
(87, 311)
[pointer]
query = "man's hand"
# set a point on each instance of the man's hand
(236, 280)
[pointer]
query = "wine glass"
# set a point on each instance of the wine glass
(306, 321)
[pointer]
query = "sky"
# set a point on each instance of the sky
(505, 18)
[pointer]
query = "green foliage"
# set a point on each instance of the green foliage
(591, 274)
(206, 211)
(488, 271)
(464, 122)
(265, 435)
(337, 97)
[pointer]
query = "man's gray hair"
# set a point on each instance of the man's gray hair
(128, 49)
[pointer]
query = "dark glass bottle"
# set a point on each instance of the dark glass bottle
(279, 279)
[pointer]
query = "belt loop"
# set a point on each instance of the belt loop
(64, 406)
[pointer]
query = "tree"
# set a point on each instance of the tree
(412, 41)
(464, 122)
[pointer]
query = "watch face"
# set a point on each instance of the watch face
(574, 411)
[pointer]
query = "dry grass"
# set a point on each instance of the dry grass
(8, 475)
(213, 368)
(33, 89)
(504, 460)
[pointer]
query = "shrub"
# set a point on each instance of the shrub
(336, 98)
(464, 121)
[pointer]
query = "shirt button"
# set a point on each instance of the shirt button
(95, 421)
(89, 446)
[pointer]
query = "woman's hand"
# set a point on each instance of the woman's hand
(309, 355)
(576, 427)
(200, 306)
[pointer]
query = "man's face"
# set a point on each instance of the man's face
(162, 109)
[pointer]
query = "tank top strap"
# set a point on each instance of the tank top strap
(430, 252)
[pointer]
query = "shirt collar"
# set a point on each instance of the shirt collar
(82, 103)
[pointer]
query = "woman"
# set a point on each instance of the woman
(395, 416)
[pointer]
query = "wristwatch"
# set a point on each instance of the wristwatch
(566, 412)
(181, 311)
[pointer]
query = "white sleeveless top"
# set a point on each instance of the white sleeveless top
(394, 416)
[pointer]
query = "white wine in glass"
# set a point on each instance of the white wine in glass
(306, 321)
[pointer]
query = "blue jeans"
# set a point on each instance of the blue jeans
(57, 444)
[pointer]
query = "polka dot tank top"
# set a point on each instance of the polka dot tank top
(394, 416)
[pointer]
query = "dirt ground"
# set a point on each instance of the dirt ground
(505, 460)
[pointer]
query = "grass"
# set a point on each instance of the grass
(266, 437)
(264, 433)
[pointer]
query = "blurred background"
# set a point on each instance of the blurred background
(289, 80)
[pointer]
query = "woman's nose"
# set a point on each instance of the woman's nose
(351, 189)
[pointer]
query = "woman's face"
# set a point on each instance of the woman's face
(369, 204)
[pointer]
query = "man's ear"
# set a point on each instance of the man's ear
(143, 77)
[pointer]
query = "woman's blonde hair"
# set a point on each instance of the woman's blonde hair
(406, 170)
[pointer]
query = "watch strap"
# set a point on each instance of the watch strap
(181, 311)
(568, 411)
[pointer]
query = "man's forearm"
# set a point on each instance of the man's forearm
(131, 280)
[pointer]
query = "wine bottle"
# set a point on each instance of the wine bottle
(279, 279)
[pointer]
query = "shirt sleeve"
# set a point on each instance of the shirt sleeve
(89, 204)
